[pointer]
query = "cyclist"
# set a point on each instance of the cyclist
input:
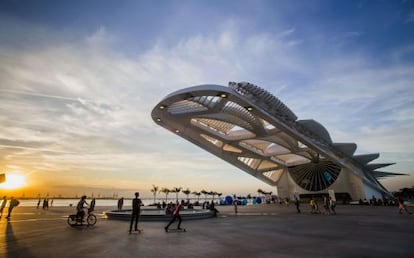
(80, 208)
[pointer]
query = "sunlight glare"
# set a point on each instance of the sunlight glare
(13, 181)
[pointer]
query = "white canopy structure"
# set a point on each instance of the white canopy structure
(250, 128)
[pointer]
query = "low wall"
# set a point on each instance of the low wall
(159, 214)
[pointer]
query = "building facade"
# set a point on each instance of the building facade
(250, 128)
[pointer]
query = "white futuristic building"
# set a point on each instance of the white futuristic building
(253, 130)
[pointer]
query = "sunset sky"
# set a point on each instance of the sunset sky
(79, 80)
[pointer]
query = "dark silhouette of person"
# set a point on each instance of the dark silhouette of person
(80, 208)
(213, 209)
(176, 215)
(13, 203)
(92, 206)
(3, 204)
(45, 204)
(235, 206)
(120, 203)
(332, 205)
(326, 204)
(136, 210)
(297, 204)
(402, 207)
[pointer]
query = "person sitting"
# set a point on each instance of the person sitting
(213, 208)
(92, 206)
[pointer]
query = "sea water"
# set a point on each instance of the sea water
(73, 202)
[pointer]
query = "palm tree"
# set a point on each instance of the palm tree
(154, 191)
(407, 192)
(198, 195)
(260, 191)
(187, 192)
(166, 191)
(213, 194)
(205, 194)
(176, 190)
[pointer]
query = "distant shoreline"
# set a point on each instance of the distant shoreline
(69, 202)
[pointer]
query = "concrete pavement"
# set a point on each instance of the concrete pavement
(271, 230)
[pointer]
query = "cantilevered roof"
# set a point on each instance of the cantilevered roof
(250, 128)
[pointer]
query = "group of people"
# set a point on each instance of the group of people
(46, 202)
(82, 206)
(329, 205)
(136, 210)
(12, 204)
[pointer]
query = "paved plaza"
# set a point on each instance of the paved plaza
(270, 230)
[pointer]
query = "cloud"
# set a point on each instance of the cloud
(85, 105)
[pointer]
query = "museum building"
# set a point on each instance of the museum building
(253, 130)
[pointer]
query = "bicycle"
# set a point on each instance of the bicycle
(77, 220)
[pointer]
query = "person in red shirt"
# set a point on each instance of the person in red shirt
(176, 215)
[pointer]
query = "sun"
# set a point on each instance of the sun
(13, 181)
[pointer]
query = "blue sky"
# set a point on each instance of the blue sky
(80, 78)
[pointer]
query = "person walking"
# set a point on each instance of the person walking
(136, 210)
(235, 206)
(13, 203)
(326, 205)
(46, 204)
(297, 203)
(120, 203)
(402, 206)
(3, 205)
(332, 205)
(176, 215)
(312, 205)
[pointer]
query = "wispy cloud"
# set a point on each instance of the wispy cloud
(82, 106)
